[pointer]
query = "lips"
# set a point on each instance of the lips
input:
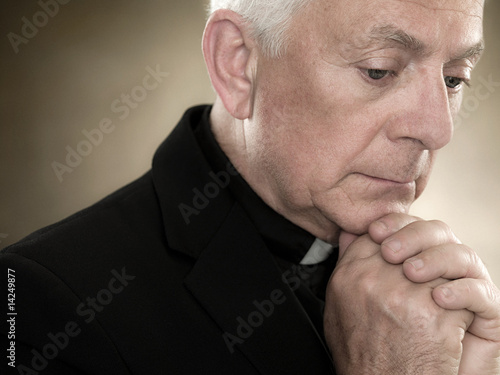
(392, 180)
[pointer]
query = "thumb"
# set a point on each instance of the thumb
(345, 240)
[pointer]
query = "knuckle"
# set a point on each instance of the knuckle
(493, 296)
(440, 224)
(340, 281)
(485, 298)
(445, 230)
(476, 267)
(471, 256)
(353, 280)
(396, 301)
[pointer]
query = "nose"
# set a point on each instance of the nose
(425, 114)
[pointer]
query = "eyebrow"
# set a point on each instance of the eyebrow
(393, 35)
(474, 52)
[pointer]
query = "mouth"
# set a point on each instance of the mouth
(390, 181)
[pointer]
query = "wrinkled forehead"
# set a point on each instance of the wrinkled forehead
(468, 8)
(471, 7)
(424, 26)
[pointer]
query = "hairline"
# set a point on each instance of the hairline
(273, 38)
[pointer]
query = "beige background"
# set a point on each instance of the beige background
(66, 77)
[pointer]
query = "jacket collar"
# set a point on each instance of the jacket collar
(190, 216)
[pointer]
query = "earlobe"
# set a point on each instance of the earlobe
(227, 49)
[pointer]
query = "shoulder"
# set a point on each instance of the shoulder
(91, 225)
(113, 233)
(74, 279)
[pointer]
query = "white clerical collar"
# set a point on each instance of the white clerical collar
(319, 252)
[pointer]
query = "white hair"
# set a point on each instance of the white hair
(269, 20)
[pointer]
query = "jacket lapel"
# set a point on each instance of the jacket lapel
(236, 281)
(234, 277)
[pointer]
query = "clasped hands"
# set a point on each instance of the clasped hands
(410, 298)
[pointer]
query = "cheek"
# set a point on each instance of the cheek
(325, 124)
(456, 103)
(309, 133)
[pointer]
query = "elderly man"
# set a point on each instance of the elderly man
(328, 117)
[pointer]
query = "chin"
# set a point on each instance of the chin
(358, 229)
(358, 221)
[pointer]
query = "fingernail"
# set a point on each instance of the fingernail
(394, 245)
(418, 264)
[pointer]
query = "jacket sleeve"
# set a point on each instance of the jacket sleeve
(43, 330)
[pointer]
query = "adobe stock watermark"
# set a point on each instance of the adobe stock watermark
(266, 308)
(202, 197)
(471, 103)
(30, 27)
(122, 107)
(59, 341)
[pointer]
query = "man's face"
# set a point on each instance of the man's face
(346, 125)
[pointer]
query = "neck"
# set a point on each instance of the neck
(231, 136)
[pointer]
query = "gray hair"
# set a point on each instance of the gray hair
(269, 20)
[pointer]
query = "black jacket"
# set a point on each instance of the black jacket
(155, 279)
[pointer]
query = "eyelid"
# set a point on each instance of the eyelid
(469, 64)
(387, 64)
(462, 72)
(380, 63)
(383, 82)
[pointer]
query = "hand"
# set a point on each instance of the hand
(429, 250)
(377, 321)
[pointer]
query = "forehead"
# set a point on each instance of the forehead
(350, 11)
(420, 24)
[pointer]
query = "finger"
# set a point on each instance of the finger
(345, 240)
(481, 297)
(449, 261)
(360, 248)
(479, 356)
(386, 226)
(414, 238)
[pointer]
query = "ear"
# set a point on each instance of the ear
(227, 48)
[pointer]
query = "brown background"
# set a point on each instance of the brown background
(66, 77)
